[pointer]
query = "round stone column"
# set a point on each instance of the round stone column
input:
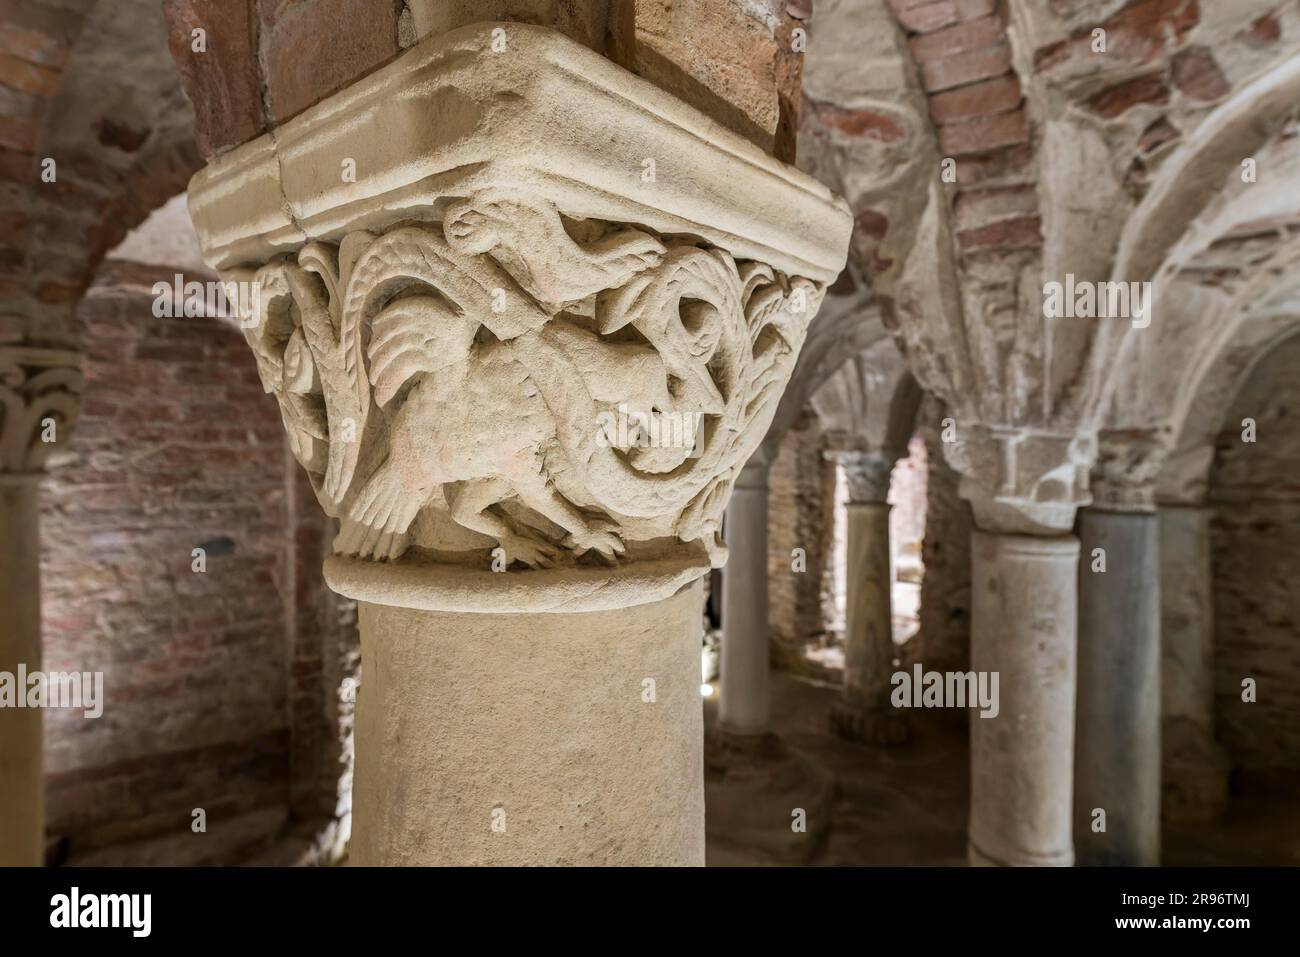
(744, 703)
(523, 739)
(1195, 768)
(1024, 621)
(531, 449)
(1117, 757)
(22, 828)
(39, 402)
(865, 712)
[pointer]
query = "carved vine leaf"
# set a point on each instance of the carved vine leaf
(469, 377)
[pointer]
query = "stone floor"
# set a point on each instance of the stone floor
(863, 805)
(891, 806)
(907, 806)
(1253, 831)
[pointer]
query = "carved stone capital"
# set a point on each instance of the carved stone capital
(1128, 466)
(867, 474)
(1022, 482)
(513, 342)
(1185, 477)
(40, 397)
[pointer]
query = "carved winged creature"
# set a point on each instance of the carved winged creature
(489, 347)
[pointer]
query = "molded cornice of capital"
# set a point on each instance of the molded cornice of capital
(1041, 479)
(1127, 468)
(40, 397)
(517, 338)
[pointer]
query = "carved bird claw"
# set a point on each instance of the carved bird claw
(600, 538)
(533, 552)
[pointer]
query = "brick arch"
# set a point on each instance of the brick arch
(1186, 473)
(58, 233)
(36, 42)
(964, 58)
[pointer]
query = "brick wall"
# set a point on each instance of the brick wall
(1255, 539)
(930, 526)
(943, 642)
(325, 651)
(799, 512)
(213, 681)
(268, 60)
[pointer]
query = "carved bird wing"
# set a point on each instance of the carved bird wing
(418, 334)
(342, 375)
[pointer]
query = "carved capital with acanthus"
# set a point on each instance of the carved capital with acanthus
(524, 355)
(40, 397)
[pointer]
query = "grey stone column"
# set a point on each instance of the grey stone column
(744, 703)
(1117, 760)
(865, 713)
(1195, 768)
(1024, 617)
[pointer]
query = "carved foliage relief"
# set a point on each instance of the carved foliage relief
(568, 390)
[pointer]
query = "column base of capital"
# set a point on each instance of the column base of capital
(433, 586)
(881, 725)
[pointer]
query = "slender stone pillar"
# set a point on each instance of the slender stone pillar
(865, 712)
(526, 398)
(745, 700)
(1117, 757)
(567, 738)
(21, 783)
(39, 390)
(1024, 619)
(1195, 768)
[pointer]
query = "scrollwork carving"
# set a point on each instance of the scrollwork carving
(452, 386)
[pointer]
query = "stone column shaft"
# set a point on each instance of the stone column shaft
(1117, 758)
(22, 827)
(531, 739)
(1024, 620)
(39, 402)
(1195, 768)
(745, 700)
(868, 640)
(865, 713)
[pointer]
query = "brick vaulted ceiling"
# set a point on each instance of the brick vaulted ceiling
(1069, 156)
(90, 86)
(1055, 145)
